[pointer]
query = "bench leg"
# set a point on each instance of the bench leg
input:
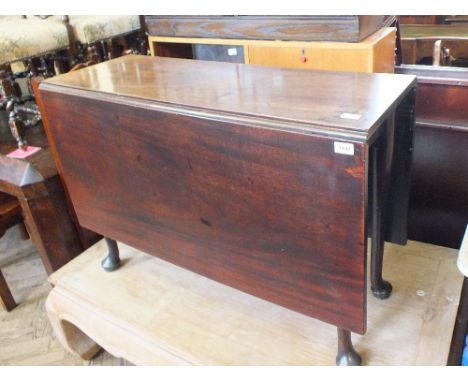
(5, 294)
(69, 336)
(112, 261)
(347, 355)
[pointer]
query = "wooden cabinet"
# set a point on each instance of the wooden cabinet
(375, 53)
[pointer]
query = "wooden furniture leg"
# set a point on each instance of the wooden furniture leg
(112, 261)
(49, 225)
(70, 336)
(347, 355)
(5, 294)
(380, 288)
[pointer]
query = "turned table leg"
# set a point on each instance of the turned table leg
(379, 287)
(347, 355)
(112, 261)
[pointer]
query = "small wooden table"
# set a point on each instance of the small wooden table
(36, 184)
(268, 180)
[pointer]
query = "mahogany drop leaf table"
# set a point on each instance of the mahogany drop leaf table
(267, 180)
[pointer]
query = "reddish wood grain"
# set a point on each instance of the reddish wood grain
(274, 214)
(229, 170)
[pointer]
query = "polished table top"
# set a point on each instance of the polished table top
(347, 102)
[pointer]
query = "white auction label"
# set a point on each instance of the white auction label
(351, 116)
(344, 148)
(232, 52)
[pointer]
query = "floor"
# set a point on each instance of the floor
(26, 337)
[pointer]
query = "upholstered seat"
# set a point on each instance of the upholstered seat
(21, 39)
(89, 29)
(49, 45)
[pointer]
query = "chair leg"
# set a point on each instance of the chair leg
(5, 294)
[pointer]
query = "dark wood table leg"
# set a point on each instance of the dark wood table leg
(5, 294)
(390, 167)
(347, 355)
(112, 261)
(379, 287)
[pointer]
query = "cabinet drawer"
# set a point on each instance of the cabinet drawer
(321, 58)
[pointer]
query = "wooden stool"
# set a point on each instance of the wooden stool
(35, 184)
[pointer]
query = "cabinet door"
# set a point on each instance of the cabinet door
(225, 53)
(321, 58)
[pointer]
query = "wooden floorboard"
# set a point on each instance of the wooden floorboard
(26, 337)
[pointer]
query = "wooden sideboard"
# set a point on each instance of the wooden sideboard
(438, 211)
(375, 53)
(242, 174)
